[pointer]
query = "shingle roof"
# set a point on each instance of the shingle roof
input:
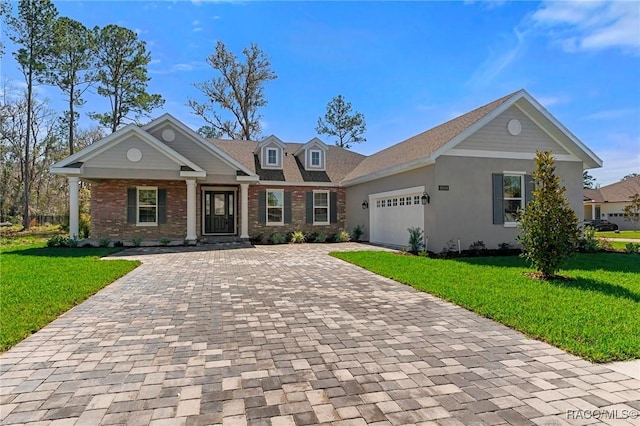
(616, 192)
(424, 143)
(339, 162)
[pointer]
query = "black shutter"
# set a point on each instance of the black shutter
(132, 205)
(498, 199)
(309, 207)
(528, 189)
(162, 206)
(262, 207)
(333, 207)
(287, 206)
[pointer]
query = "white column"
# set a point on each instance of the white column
(593, 212)
(244, 210)
(191, 210)
(74, 206)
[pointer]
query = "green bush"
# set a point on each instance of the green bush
(277, 238)
(57, 241)
(632, 248)
(298, 237)
(477, 247)
(105, 242)
(320, 237)
(137, 241)
(416, 240)
(588, 243)
(550, 233)
(164, 241)
(342, 237)
(357, 233)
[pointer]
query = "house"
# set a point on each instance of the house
(464, 179)
(608, 202)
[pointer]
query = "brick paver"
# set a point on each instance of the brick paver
(286, 335)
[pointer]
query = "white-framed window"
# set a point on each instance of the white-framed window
(147, 206)
(320, 207)
(315, 157)
(275, 207)
(383, 202)
(378, 203)
(272, 156)
(395, 202)
(402, 201)
(513, 194)
(416, 199)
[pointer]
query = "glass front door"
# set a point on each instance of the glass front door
(219, 212)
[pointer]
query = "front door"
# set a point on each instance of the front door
(219, 216)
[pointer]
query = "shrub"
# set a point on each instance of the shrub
(137, 241)
(105, 242)
(588, 242)
(298, 237)
(321, 237)
(416, 240)
(118, 243)
(477, 247)
(257, 239)
(57, 241)
(71, 242)
(449, 247)
(277, 238)
(164, 241)
(605, 245)
(632, 248)
(549, 225)
(341, 237)
(357, 232)
(504, 246)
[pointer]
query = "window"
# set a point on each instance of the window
(513, 197)
(378, 203)
(275, 204)
(147, 209)
(402, 201)
(320, 207)
(383, 203)
(272, 156)
(315, 158)
(416, 199)
(395, 202)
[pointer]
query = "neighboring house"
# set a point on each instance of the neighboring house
(463, 179)
(609, 202)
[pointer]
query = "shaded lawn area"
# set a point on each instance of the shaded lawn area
(596, 315)
(621, 234)
(38, 284)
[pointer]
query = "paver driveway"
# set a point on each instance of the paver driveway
(287, 335)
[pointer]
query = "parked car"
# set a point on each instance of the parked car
(603, 225)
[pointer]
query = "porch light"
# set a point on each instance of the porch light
(426, 199)
(365, 205)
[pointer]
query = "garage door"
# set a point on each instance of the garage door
(391, 213)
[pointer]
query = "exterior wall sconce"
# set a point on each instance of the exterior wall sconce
(365, 205)
(426, 198)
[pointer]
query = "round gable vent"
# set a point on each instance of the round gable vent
(168, 135)
(134, 155)
(514, 127)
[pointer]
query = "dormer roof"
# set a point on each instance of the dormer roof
(315, 142)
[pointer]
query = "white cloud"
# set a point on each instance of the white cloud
(499, 59)
(620, 158)
(181, 67)
(591, 25)
(548, 101)
(488, 4)
(611, 114)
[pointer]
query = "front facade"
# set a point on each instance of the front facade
(608, 202)
(463, 180)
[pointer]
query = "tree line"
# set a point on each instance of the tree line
(112, 62)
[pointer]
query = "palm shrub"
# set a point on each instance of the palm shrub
(549, 227)
(298, 237)
(416, 240)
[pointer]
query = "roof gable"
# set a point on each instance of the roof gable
(313, 143)
(114, 139)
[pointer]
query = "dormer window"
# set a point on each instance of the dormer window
(272, 156)
(315, 158)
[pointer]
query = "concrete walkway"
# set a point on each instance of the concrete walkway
(286, 335)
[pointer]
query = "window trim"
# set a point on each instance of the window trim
(267, 207)
(311, 152)
(521, 175)
(138, 188)
(268, 150)
(328, 207)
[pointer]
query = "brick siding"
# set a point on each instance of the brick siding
(109, 210)
(298, 212)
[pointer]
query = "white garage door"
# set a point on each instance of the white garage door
(391, 213)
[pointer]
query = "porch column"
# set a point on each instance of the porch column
(191, 210)
(593, 212)
(74, 206)
(244, 210)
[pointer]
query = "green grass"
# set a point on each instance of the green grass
(621, 234)
(596, 315)
(38, 284)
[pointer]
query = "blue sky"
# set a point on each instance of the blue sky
(406, 66)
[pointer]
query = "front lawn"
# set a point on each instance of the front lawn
(620, 234)
(596, 315)
(38, 284)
